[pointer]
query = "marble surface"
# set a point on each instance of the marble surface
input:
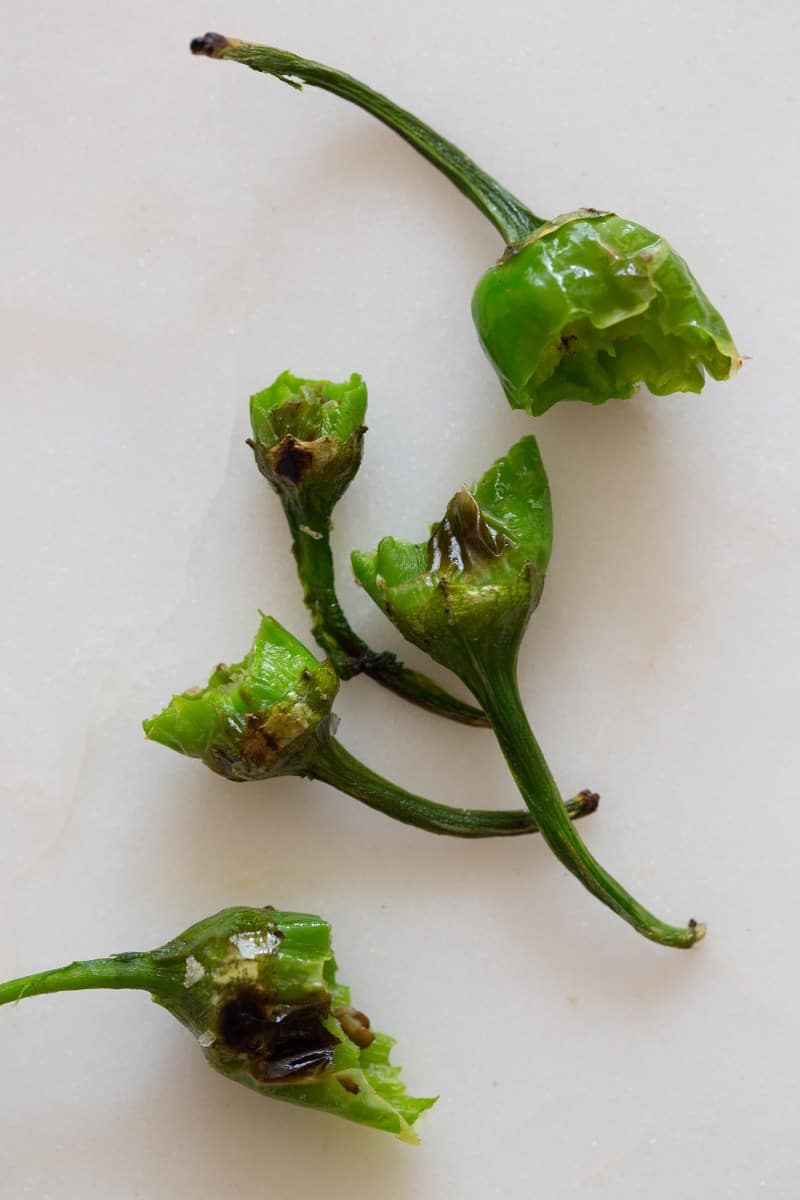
(176, 232)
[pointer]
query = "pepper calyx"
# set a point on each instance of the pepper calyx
(469, 590)
(253, 720)
(308, 438)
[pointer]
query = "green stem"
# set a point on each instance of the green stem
(510, 217)
(334, 765)
(350, 654)
(123, 971)
(311, 547)
(498, 693)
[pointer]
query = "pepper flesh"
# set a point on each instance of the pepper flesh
(257, 988)
(592, 305)
(585, 307)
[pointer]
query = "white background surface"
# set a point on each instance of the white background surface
(176, 232)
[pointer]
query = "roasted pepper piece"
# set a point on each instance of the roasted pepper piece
(584, 307)
(271, 715)
(465, 596)
(257, 988)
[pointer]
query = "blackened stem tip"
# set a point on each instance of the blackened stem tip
(212, 45)
(589, 801)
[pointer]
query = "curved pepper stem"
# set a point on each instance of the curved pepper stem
(510, 217)
(466, 596)
(117, 971)
(331, 763)
(498, 692)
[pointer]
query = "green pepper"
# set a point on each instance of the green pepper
(257, 988)
(583, 307)
(465, 596)
(307, 439)
(271, 715)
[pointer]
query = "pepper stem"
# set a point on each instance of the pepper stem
(118, 971)
(498, 692)
(334, 765)
(510, 217)
(350, 654)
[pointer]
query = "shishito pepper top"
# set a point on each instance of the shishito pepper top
(252, 720)
(584, 307)
(307, 438)
(591, 305)
(257, 988)
(479, 576)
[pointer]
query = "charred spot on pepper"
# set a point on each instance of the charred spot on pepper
(280, 1043)
(241, 1018)
(291, 459)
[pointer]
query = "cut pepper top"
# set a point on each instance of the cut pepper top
(591, 305)
(252, 720)
(308, 439)
(476, 580)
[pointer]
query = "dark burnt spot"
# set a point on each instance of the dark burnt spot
(292, 459)
(240, 1019)
(348, 1084)
(210, 44)
(589, 801)
(567, 342)
(280, 1043)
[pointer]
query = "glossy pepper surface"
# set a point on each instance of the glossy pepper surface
(591, 305)
(257, 988)
(584, 307)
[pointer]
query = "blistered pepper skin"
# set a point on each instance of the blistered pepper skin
(593, 305)
(584, 307)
